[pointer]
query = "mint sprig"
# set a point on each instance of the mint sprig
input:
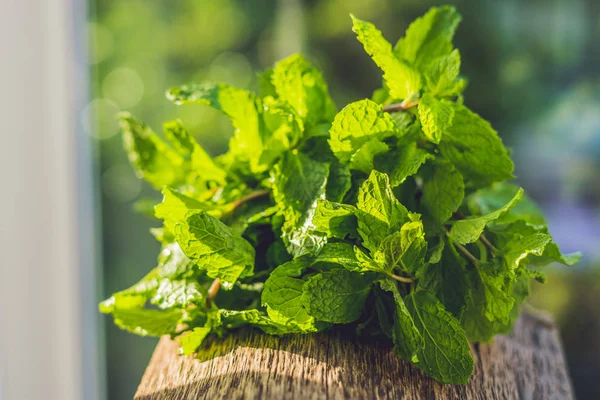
(392, 216)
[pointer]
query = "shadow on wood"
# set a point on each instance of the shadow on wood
(528, 364)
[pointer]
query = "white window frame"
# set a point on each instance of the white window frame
(49, 344)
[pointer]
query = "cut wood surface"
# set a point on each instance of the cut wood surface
(528, 364)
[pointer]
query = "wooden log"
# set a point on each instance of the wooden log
(528, 364)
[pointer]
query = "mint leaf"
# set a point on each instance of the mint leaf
(214, 247)
(381, 213)
(445, 354)
(404, 250)
(484, 201)
(408, 341)
(337, 295)
(403, 81)
(475, 149)
(442, 78)
(443, 192)
(436, 117)
(239, 105)
(358, 123)
(429, 36)
(192, 340)
(303, 87)
(468, 230)
(403, 161)
(446, 278)
(298, 183)
(335, 219)
(282, 296)
(149, 156)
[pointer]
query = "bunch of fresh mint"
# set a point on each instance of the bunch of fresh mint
(390, 216)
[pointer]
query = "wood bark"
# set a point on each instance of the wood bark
(528, 364)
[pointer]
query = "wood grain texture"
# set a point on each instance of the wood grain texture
(528, 364)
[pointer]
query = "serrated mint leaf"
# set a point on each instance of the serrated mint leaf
(301, 85)
(362, 159)
(475, 149)
(403, 81)
(445, 354)
(429, 36)
(404, 250)
(403, 161)
(128, 313)
(298, 183)
(149, 156)
(517, 250)
(441, 76)
(493, 303)
(436, 117)
(446, 279)
(337, 295)
(381, 213)
(357, 124)
(192, 340)
(335, 219)
(282, 295)
(552, 253)
(339, 181)
(177, 293)
(214, 247)
(443, 192)
(408, 341)
(337, 254)
(176, 205)
(484, 201)
(239, 105)
(468, 230)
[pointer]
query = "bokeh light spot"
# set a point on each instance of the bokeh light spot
(124, 86)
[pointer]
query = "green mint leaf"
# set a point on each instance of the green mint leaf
(339, 181)
(363, 158)
(301, 85)
(336, 296)
(436, 117)
(404, 250)
(192, 340)
(429, 36)
(214, 247)
(177, 293)
(335, 219)
(337, 255)
(408, 341)
(475, 149)
(445, 276)
(403, 81)
(381, 213)
(403, 161)
(484, 201)
(443, 192)
(298, 182)
(282, 296)
(493, 304)
(128, 314)
(445, 354)
(239, 105)
(468, 230)
(357, 124)
(441, 76)
(149, 155)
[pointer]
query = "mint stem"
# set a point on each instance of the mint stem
(401, 278)
(400, 106)
(251, 196)
(467, 253)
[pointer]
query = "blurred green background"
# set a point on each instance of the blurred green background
(534, 72)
